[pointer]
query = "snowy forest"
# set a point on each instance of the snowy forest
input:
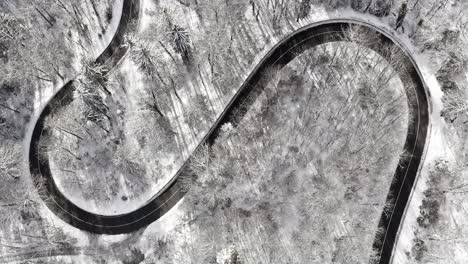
(233, 132)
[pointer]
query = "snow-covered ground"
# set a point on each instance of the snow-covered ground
(437, 147)
(98, 45)
(166, 163)
(47, 91)
(136, 83)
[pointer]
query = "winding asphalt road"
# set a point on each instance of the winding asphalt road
(280, 55)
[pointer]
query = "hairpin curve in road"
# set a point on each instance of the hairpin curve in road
(281, 54)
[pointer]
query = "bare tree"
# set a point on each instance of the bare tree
(303, 9)
(95, 74)
(64, 126)
(401, 16)
(19, 200)
(357, 5)
(200, 110)
(10, 160)
(455, 104)
(142, 54)
(380, 8)
(11, 28)
(94, 109)
(151, 129)
(179, 38)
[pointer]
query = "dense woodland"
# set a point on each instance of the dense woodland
(37, 40)
(187, 78)
(263, 180)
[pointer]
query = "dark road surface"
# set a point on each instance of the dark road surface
(286, 50)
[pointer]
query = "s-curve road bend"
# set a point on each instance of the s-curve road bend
(281, 54)
(39, 163)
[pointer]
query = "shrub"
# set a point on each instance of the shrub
(429, 212)
(367, 96)
(180, 40)
(445, 83)
(303, 9)
(455, 103)
(452, 66)
(450, 36)
(357, 5)
(136, 257)
(418, 249)
(429, 209)
(109, 14)
(381, 8)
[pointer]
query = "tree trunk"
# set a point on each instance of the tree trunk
(71, 153)
(155, 105)
(43, 16)
(44, 79)
(103, 86)
(401, 16)
(97, 15)
(175, 90)
(70, 133)
(167, 51)
(9, 108)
